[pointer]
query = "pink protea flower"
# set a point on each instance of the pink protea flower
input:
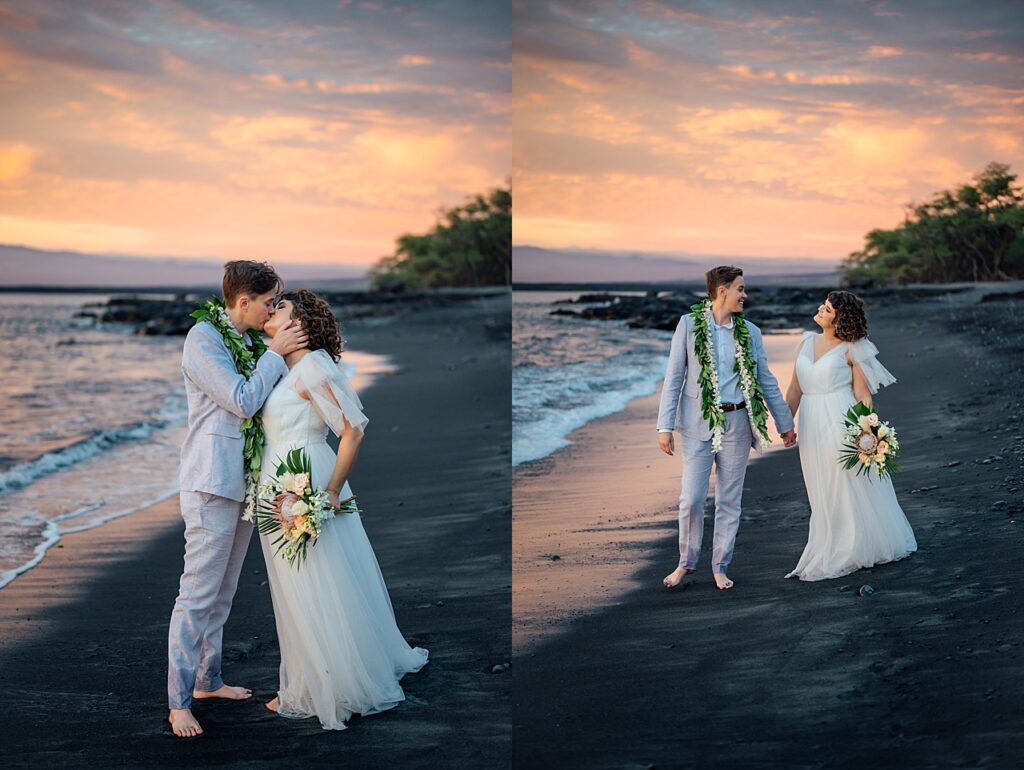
(283, 508)
(866, 441)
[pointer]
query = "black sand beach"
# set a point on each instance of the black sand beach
(924, 672)
(83, 635)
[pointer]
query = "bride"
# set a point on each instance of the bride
(341, 650)
(856, 520)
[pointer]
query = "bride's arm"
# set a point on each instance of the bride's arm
(348, 448)
(861, 391)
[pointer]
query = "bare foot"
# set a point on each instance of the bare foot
(184, 724)
(225, 691)
(274, 705)
(722, 580)
(674, 579)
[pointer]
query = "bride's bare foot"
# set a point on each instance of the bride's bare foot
(184, 724)
(225, 691)
(274, 705)
(674, 579)
(722, 580)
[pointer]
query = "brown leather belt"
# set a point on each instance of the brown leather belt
(734, 407)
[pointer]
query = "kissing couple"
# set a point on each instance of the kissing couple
(341, 650)
(718, 393)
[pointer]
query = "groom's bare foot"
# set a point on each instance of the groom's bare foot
(274, 705)
(674, 579)
(184, 724)
(225, 691)
(722, 580)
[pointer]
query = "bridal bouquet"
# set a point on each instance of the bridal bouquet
(287, 503)
(868, 443)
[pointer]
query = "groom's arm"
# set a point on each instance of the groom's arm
(208, 364)
(675, 376)
(770, 387)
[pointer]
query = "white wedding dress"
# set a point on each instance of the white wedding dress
(341, 650)
(856, 520)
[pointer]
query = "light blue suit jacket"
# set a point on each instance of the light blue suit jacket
(680, 394)
(219, 398)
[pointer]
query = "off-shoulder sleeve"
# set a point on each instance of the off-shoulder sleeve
(864, 352)
(330, 392)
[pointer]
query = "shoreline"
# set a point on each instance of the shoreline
(810, 674)
(75, 460)
(100, 602)
(590, 479)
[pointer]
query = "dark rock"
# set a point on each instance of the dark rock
(1002, 296)
(500, 668)
(865, 590)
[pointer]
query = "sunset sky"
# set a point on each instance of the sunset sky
(290, 131)
(783, 129)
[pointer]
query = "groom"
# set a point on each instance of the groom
(213, 484)
(717, 393)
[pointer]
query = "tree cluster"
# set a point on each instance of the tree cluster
(471, 245)
(973, 233)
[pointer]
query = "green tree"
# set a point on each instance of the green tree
(471, 245)
(973, 233)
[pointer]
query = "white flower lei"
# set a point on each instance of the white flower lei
(748, 385)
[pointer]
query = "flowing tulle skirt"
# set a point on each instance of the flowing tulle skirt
(856, 520)
(341, 650)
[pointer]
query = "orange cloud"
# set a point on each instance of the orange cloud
(415, 61)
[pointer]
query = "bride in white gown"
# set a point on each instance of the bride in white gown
(856, 520)
(341, 650)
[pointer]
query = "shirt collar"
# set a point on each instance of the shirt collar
(722, 326)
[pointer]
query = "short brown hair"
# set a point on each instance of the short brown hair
(318, 321)
(243, 276)
(723, 275)
(851, 322)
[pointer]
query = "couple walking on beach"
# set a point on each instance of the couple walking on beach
(341, 650)
(718, 392)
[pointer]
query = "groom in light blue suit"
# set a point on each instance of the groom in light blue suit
(681, 410)
(212, 481)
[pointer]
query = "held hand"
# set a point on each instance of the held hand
(667, 442)
(289, 338)
(788, 438)
(332, 497)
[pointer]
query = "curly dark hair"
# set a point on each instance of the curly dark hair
(851, 322)
(318, 320)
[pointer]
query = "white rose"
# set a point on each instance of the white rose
(299, 508)
(299, 483)
(873, 420)
(883, 431)
(864, 422)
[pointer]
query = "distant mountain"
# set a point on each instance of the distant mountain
(23, 266)
(531, 264)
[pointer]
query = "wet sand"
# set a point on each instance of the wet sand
(577, 552)
(925, 672)
(83, 635)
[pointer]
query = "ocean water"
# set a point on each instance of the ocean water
(91, 422)
(568, 371)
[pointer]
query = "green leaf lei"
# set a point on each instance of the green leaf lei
(245, 359)
(707, 378)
